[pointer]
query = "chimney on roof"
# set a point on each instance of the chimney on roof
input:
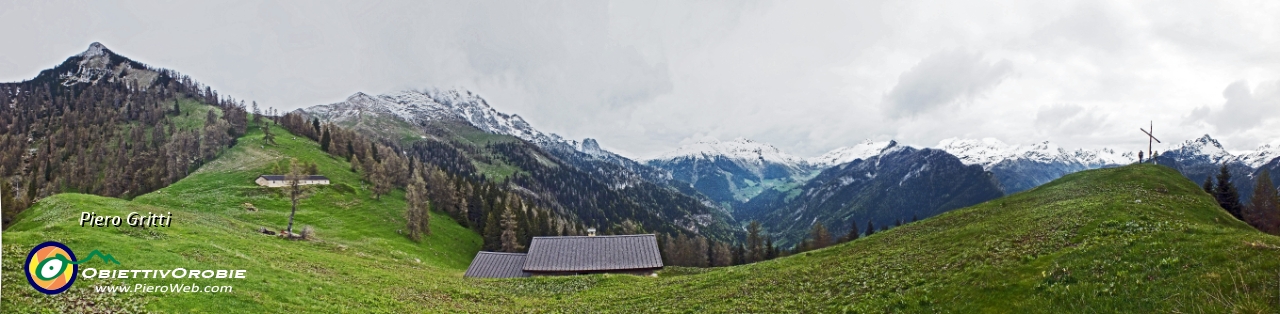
(591, 232)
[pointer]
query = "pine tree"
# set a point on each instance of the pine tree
(417, 211)
(721, 255)
(821, 238)
(267, 136)
(771, 251)
(853, 232)
(257, 115)
(871, 228)
(1227, 195)
(315, 125)
(755, 244)
(492, 226)
(176, 110)
(325, 141)
(1208, 185)
(510, 242)
(1263, 211)
(381, 181)
(739, 255)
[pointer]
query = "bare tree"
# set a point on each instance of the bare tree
(295, 189)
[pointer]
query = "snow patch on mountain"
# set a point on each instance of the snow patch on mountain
(419, 106)
(95, 49)
(988, 152)
(739, 149)
(1259, 157)
(1205, 147)
(842, 155)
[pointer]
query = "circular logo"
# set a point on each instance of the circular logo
(49, 267)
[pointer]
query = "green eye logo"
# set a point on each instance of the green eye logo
(51, 267)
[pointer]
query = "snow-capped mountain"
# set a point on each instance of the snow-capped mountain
(1261, 156)
(1202, 158)
(1021, 167)
(842, 155)
(420, 108)
(897, 184)
(101, 64)
(739, 149)
(989, 152)
(1203, 149)
(732, 172)
(417, 107)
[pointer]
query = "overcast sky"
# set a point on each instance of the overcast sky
(644, 77)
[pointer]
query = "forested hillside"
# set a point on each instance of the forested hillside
(500, 185)
(100, 123)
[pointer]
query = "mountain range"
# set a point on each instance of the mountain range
(879, 181)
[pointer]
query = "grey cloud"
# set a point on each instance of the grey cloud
(941, 79)
(641, 75)
(1069, 120)
(1244, 108)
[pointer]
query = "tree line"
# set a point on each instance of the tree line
(506, 220)
(111, 137)
(1263, 210)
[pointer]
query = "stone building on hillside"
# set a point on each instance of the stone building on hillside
(276, 181)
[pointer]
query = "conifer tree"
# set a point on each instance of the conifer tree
(721, 255)
(771, 251)
(871, 228)
(492, 226)
(1263, 211)
(267, 136)
(510, 241)
(257, 115)
(755, 244)
(417, 212)
(821, 238)
(853, 232)
(325, 141)
(1208, 185)
(381, 181)
(1227, 195)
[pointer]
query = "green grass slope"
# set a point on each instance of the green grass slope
(358, 262)
(1131, 239)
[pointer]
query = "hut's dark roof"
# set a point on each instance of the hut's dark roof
(272, 177)
(496, 265)
(556, 254)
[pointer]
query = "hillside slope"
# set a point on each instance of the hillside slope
(1083, 243)
(359, 259)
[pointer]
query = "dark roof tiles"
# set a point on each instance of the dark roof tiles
(496, 265)
(567, 254)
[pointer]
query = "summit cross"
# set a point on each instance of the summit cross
(1150, 138)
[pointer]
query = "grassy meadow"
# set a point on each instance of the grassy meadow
(1138, 238)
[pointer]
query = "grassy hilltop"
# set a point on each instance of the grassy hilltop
(359, 260)
(1131, 239)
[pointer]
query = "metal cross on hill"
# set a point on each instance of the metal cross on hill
(1150, 138)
